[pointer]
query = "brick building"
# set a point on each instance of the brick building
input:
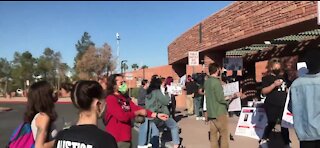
(243, 24)
(253, 30)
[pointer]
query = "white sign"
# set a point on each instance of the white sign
(175, 89)
(230, 89)
(287, 117)
(193, 58)
(252, 122)
(302, 69)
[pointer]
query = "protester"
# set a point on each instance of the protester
(142, 93)
(198, 99)
(158, 102)
(166, 87)
(87, 97)
(191, 88)
(216, 108)
(41, 113)
(65, 89)
(275, 89)
(121, 111)
(305, 97)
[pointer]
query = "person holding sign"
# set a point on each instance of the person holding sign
(216, 108)
(275, 89)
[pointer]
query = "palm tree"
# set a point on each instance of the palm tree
(124, 66)
(144, 67)
(134, 66)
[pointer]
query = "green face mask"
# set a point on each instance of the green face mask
(123, 88)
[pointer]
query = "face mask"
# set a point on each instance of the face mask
(123, 88)
(276, 71)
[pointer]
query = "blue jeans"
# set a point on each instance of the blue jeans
(172, 125)
(143, 133)
(197, 106)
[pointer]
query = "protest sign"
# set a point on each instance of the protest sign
(252, 122)
(230, 89)
(287, 117)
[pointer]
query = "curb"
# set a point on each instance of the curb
(5, 109)
(24, 102)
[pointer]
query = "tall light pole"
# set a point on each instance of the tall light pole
(118, 49)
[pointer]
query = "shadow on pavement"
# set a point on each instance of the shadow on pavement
(276, 140)
(179, 117)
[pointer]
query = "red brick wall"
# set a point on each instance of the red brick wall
(163, 71)
(244, 23)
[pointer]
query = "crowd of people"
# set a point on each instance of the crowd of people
(108, 99)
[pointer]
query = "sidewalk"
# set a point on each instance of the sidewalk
(24, 100)
(195, 135)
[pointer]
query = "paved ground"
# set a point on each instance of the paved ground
(194, 133)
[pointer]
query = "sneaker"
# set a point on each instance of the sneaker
(263, 143)
(203, 118)
(197, 118)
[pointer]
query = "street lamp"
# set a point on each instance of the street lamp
(122, 65)
(118, 49)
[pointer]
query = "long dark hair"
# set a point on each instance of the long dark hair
(112, 82)
(84, 92)
(67, 87)
(40, 99)
(154, 84)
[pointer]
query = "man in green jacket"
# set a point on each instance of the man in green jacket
(217, 108)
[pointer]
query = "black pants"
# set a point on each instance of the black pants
(310, 144)
(274, 113)
(284, 132)
(172, 106)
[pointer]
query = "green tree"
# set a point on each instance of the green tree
(48, 65)
(5, 70)
(143, 70)
(124, 66)
(22, 70)
(82, 46)
(63, 70)
(144, 66)
(134, 66)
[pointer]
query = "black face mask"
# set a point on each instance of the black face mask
(276, 71)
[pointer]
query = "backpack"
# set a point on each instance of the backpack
(22, 137)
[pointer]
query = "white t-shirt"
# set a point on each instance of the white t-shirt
(53, 132)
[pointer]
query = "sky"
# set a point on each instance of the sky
(146, 28)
